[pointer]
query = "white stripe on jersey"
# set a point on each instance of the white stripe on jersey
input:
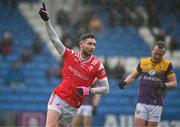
(101, 66)
(94, 62)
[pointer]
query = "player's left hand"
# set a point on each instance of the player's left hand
(82, 90)
(43, 13)
(163, 87)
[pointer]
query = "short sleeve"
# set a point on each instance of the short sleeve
(170, 69)
(138, 68)
(68, 52)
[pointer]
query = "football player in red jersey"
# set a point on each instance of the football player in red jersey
(80, 70)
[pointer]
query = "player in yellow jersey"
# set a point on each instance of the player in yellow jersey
(157, 75)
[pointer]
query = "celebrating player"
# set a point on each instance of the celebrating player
(157, 75)
(80, 70)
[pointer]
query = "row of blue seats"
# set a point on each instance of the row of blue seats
(23, 107)
(170, 24)
(118, 100)
(121, 52)
(109, 109)
(35, 90)
(125, 41)
(24, 98)
(116, 109)
(35, 94)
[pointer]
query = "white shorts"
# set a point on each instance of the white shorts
(148, 112)
(66, 111)
(85, 110)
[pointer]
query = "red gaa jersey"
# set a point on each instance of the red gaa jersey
(78, 72)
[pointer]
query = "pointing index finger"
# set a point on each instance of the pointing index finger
(44, 7)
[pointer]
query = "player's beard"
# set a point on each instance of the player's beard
(87, 53)
(156, 59)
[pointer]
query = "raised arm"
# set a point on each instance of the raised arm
(54, 38)
(51, 32)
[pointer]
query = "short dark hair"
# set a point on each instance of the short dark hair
(86, 36)
(160, 44)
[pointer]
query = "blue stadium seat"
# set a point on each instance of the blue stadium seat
(124, 41)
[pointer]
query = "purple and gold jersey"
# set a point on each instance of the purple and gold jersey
(152, 76)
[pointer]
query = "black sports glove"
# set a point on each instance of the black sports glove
(163, 87)
(84, 90)
(94, 111)
(122, 84)
(159, 89)
(43, 13)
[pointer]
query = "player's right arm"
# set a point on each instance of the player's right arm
(51, 32)
(131, 77)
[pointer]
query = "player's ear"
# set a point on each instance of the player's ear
(81, 44)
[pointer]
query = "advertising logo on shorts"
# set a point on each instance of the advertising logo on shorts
(152, 72)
